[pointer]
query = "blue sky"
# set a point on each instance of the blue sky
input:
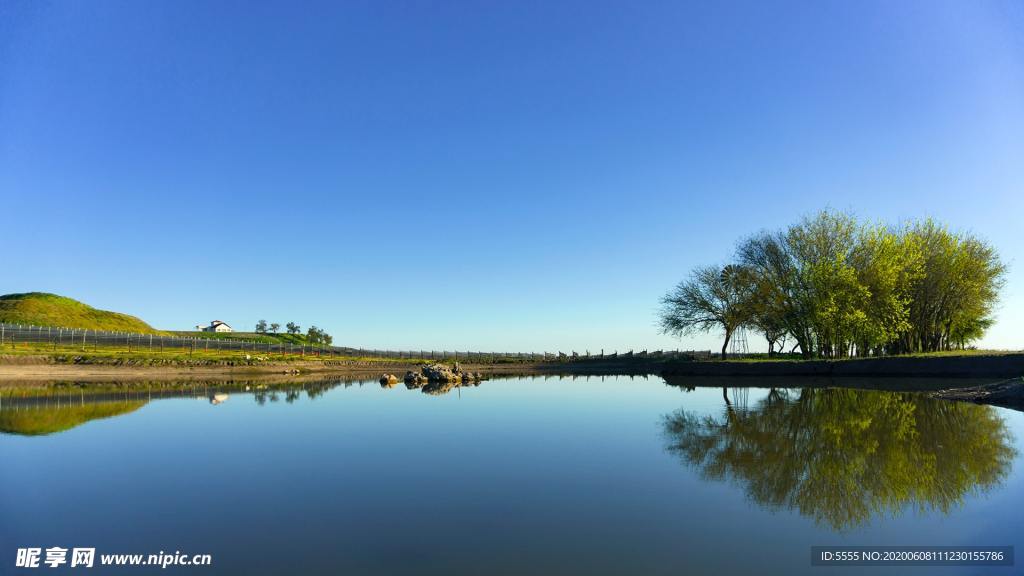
(483, 175)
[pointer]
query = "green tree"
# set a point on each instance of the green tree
(293, 328)
(887, 265)
(274, 327)
(318, 336)
(840, 288)
(953, 298)
(261, 327)
(712, 298)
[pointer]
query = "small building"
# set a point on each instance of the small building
(215, 326)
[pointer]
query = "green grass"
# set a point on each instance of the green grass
(42, 309)
(296, 339)
(143, 356)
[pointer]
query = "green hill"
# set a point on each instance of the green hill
(42, 309)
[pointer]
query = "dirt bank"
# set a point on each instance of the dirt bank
(30, 369)
(29, 372)
(996, 366)
(967, 366)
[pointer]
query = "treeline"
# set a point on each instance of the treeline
(835, 287)
(314, 335)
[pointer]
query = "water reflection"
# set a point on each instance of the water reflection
(35, 411)
(844, 456)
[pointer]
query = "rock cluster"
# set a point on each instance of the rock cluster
(439, 373)
(454, 374)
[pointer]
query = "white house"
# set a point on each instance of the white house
(215, 326)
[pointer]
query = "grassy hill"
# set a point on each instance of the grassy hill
(42, 309)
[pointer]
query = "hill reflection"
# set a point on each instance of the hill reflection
(43, 420)
(844, 456)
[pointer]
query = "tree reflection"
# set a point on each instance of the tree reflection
(842, 456)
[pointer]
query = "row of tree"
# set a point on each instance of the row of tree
(314, 335)
(836, 287)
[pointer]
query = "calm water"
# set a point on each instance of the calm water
(571, 476)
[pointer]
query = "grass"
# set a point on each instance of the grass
(296, 339)
(42, 309)
(76, 354)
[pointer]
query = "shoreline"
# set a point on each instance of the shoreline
(1010, 365)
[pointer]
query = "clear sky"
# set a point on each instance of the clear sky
(483, 175)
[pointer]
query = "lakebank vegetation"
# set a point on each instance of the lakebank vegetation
(835, 287)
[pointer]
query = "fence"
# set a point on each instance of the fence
(14, 334)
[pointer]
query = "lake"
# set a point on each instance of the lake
(541, 475)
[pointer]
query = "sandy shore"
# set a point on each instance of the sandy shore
(98, 373)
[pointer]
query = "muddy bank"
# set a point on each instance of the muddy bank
(1009, 394)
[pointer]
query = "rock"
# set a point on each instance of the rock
(388, 380)
(440, 373)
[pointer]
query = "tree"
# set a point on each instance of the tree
(293, 328)
(842, 288)
(832, 299)
(780, 295)
(274, 327)
(261, 327)
(712, 298)
(317, 336)
(956, 292)
(767, 316)
(887, 264)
